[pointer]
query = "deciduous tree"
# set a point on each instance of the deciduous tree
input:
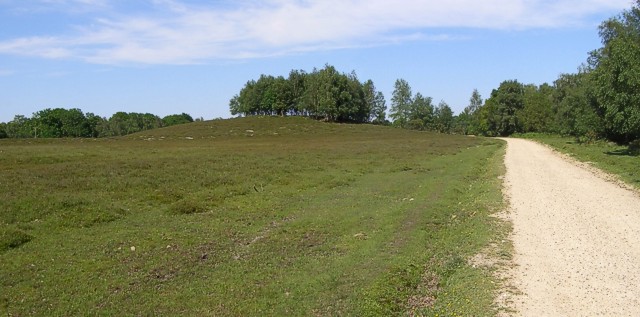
(401, 102)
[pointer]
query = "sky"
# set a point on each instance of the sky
(172, 56)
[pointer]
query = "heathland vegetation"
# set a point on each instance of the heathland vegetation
(250, 216)
(286, 215)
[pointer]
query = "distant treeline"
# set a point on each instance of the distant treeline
(417, 112)
(329, 95)
(73, 123)
(323, 94)
(600, 101)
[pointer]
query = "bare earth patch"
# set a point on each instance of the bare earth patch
(576, 237)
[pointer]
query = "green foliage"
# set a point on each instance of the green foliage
(417, 112)
(3, 130)
(301, 218)
(401, 103)
(123, 123)
(443, 118)
(188, 206)
(616, 74)
(537, 113)
(11, 238)
(421, 110)
(61, 123)
(503, 106)
(176, 119)
(20, 127)
(374, 100)
(323, 94)
(73, 123)
(468, 122)
(576, 108)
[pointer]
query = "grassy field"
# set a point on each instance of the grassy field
(249, 217)
(607, 156)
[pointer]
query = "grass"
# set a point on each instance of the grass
(253, 216)
(607, 156)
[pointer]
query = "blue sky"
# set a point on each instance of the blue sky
(173, 56)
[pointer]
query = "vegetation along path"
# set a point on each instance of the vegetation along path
(575, 236)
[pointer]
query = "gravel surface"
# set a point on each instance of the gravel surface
(576, 237)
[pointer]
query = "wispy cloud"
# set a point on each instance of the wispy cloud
(179, 32)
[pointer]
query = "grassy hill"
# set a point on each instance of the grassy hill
(251, 216)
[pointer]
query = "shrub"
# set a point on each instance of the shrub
(187, 206)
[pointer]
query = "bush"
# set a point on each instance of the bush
(187, 206)
(415, 124)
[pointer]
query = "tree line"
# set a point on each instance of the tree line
(417, 112)
(600, 101)
(73, 123)
(324, 94)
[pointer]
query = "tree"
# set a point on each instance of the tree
(379, 111)
(616, 75)
(93, 121)
(296, 83)
(3, 130)
(60, 123)
(502, 108)
(475, 102)
(375, 103)
(173, 119)
(443, 118)
(421, 113)
(324, 94)
(20, 127)
(576, 110)
(537, 113)
(329, 93)
(468, 122)
(401, 101)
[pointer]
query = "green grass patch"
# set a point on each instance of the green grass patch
(253, 216)
(619, 160)
(12, 238)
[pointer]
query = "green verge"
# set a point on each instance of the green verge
(607, 156)
(249, 217)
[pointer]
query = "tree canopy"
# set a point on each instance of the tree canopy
(73, 123)
(324, 94)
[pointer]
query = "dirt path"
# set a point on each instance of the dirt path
(576, 237)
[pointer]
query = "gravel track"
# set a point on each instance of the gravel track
(576, 237)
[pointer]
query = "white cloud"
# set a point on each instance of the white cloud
(174, 32)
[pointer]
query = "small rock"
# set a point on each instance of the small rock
(133, 248)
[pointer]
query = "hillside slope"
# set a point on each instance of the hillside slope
(251, 216)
